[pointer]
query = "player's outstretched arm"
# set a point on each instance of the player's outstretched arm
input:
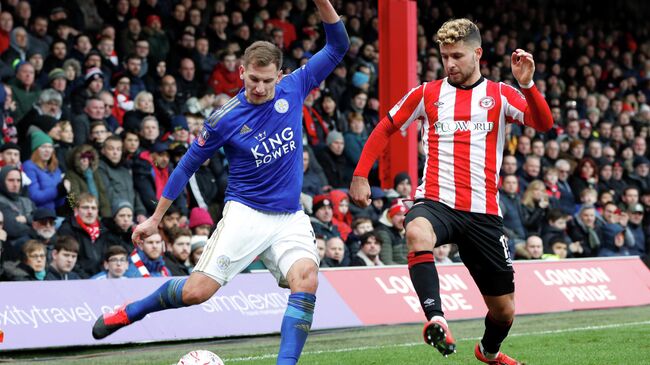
(327, 12)
(377, 142)
(538, 115)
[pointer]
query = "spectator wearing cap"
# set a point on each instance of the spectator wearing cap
(178, 251)
(92, 86)
(200, 222)
(116, 262)
(117, 178)
(25, 91)
(390, 231)
(90, 232)
(46, 189)
(225, 77)
(158, 41)
(321, 221)
(57, 81)
(179, 131)
(16, 209)
(150, 174)
(197, 244)
(85, 178)
(42, 229)
(336, 166)
(640, 177)
(120, 224)
(9, 154)
(64, 258)
(636, 245)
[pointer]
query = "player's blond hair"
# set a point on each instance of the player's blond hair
(262, 53)
(456, 30)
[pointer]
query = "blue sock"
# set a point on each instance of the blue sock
(169, 295)
(295, 327)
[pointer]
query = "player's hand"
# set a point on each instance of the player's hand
(144, 230)
(523, 66)
(360, 191)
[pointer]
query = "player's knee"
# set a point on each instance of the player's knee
(304, 278)
(503, 312)
(419, 238)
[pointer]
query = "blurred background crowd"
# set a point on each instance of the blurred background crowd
(100, 99)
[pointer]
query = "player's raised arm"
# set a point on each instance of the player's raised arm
(537, 113)
(327, 12)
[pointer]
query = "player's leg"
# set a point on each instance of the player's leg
(296, 323)
(293, 260)
(487, 257)
(174, 293)
(424, 229)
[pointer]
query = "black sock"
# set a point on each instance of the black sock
(424, 276)
(495, 332)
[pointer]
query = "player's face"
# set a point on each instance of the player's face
(259, 82)
(461, 62)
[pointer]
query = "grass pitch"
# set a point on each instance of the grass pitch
(615, 336)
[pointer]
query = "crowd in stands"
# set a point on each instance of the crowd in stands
(100, 99)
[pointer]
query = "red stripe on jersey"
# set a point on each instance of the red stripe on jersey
(491, 203)
(462, 142)
(431, 96)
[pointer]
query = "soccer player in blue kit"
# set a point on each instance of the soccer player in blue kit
(260, 130)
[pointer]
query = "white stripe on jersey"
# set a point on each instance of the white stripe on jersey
(419, 192)
(446, 179)
(477, 151)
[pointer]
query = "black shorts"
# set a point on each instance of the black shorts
(482, 243)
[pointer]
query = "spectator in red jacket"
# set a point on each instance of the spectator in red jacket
(225, 77)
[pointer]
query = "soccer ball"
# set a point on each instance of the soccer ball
(200, 357)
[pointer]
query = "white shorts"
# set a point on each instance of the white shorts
(279, 239)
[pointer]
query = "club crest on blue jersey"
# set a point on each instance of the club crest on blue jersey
(281, 106)
(203, 137)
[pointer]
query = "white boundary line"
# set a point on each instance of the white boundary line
(364, 348)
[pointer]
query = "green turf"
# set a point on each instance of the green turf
(619, 336)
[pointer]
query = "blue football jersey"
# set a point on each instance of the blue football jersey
(263, 142)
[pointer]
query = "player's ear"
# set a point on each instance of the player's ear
(280, 75)
(241, 71)
(479, 52)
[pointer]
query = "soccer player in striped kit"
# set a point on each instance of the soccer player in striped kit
(463, 131)
(260, 130)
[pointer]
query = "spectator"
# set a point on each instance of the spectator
(313, 182)
(168, 104)
(84, 177)
(116, 263)
(583, 229)
(334, 252)
(92, 86)
(117, 178)
(157, 38)
(120, 225)
(535, 204)
(336, 167)
(530, 171)
(178, 251)
(147, 259)
(314, 126)
(441, 254)
(613, 241)
(402, 186)
(637, 246)
(149, 132)
(360, 226)
(341, 217)
(86, 228)
(368, 254)
(225, 77)
(512, 211)
(321, 222)
(640, 177)
(64, 257)
(32, 265)
(16, 209)
(25, 91)
(555, 228)
(42, 229)
(584, 176)
(559, 251)
(132, 68)
(143, 107)
(355, 137)
(200, 222)
(567, 202)
(47, 189)
(197, 244)
(391, 233)
(187, 83)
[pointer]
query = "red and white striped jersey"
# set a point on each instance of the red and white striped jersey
(463, 133)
